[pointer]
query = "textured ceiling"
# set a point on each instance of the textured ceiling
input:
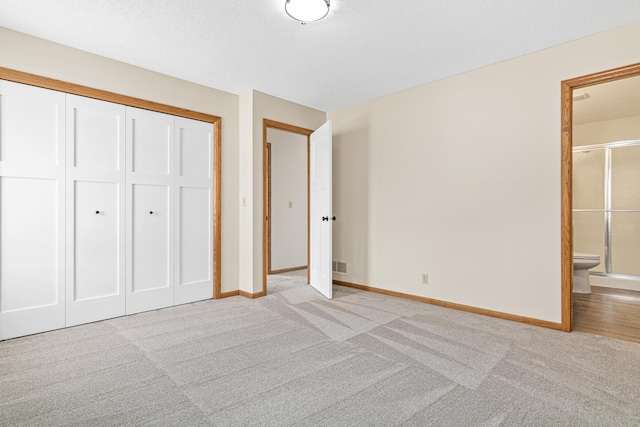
(362, 50)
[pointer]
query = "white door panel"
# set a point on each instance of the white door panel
(30, 170)
(195, 146)
(32, 194)
(194, 211)
(28, 226)
(150, 214)
(149, 278)
(195, 251)
(97, 133)
(22, 142)
(97, 249)
(150, 235)
(95, 212)
(151, 137)
(321, 210)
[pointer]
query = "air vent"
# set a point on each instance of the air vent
(581, 96)
(339, 267)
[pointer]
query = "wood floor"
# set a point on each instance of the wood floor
(607, 311)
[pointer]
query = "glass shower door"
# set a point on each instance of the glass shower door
(624, 212)
(589, 203)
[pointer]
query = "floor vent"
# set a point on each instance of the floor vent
(339, 267)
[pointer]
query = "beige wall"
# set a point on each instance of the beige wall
(245, 182)
(623, 129)
(37, 56)
(254, 107)
(460, 179)
(288, 199)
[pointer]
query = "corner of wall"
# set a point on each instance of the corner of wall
(245, 196)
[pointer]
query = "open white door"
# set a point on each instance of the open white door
(321, 215)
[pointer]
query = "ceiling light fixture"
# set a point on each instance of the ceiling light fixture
(307, 10)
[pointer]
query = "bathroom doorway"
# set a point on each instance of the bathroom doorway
(601, 201)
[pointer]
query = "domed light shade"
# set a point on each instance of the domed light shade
(307, 10)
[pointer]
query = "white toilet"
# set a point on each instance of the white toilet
(581, 265)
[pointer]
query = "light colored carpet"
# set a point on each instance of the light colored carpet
(295, 358)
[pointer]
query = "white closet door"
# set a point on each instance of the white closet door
(194, 211)
(32, 194)
(150, 224)
(95, 210)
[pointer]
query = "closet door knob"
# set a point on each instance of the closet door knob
(150, 212)
(97, 212)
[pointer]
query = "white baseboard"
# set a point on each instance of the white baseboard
(612, 282)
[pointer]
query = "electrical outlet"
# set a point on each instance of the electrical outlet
(290, 204)
(425, 279)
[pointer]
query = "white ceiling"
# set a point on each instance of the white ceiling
(363, 49)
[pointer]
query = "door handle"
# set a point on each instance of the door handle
(326, 218)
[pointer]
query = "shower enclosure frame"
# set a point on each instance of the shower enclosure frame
(608, 201)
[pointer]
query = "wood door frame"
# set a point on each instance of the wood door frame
(268, 195)
(266, 217)
(75, 89)
(567, 87)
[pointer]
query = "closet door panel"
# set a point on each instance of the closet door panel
(30, 120)
(194, 211)
(151, 254)
(96, 134)
(31, 291)
(95, 210)
(150, 213)
(195, 150)
(29, 214)
(151, 142)
(195, 235)
(97, 247)
(32, 194)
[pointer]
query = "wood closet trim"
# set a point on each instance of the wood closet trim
(567, 87)
(75, 89)
(268, 195)
(72, 88)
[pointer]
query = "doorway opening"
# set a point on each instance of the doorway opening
(569, 88)
(270, 264)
